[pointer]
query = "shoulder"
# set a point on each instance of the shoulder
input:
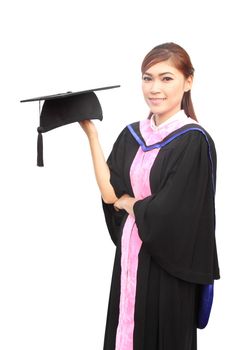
(198, 144)
(191, 142)
(192, 134)
(125, 139)
(204, 139)
(125, 133)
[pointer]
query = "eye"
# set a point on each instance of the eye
(167, 79)
(146, 78)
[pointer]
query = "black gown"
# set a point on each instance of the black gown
(176, 224)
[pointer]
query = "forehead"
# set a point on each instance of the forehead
(163, 67)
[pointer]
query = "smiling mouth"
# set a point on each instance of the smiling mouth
(156, 101)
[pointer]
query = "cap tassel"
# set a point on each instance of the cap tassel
(40, 149)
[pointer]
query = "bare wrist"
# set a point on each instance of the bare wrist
(92, 137)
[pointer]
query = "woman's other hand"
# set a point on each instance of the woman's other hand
(125, 202)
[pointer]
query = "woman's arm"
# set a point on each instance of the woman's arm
(127, 203)
(101, 169)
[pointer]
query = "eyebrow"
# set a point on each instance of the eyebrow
(159, 74)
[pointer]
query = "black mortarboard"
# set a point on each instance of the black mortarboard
(66, 108)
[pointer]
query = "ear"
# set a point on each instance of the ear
(188, 83)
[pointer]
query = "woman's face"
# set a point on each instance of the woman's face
(163, 88)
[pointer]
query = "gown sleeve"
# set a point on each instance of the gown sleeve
(177, 223)
(115, 218)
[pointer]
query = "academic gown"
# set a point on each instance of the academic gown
(175, 224)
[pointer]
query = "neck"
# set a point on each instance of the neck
(161, 118)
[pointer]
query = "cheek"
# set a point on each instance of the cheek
(145, 89)
(178, 90)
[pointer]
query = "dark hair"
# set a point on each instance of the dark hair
(181, 60)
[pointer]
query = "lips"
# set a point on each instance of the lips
(156, 101)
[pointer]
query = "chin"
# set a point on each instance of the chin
(158, 111)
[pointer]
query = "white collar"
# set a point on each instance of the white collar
(179, 116)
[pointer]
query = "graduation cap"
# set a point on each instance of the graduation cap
(65, 108)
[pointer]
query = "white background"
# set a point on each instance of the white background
(56, 257)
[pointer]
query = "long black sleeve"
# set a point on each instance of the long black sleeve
(177, 223)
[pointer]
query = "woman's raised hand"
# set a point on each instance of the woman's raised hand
(89, 128)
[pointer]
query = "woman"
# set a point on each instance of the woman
(158, 197)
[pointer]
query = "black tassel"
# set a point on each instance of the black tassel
(39, 149)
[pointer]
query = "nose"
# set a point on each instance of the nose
(155, 87)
